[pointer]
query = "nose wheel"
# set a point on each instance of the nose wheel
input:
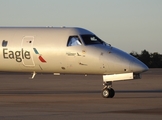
(107, 91)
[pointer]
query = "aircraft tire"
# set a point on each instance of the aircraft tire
(108, 93)
(112, 93)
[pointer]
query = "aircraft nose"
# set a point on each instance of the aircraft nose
(138, 66)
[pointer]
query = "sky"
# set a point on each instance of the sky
(130, 25)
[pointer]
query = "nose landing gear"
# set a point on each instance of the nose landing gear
(108, 91)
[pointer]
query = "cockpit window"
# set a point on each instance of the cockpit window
(73, 41)
(91, 39)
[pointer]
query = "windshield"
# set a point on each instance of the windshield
(91, 39)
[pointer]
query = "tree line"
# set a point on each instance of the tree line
(152, 60)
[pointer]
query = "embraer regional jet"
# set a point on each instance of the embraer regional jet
(67, 50)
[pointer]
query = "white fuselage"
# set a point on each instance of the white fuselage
(53, 50)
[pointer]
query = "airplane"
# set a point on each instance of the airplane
(66, 50)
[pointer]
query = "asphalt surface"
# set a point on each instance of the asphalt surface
(68, 97)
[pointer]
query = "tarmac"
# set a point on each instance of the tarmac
(69, 97)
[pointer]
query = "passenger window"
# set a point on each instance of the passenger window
(73, 41)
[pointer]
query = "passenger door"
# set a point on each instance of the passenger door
(27, 50)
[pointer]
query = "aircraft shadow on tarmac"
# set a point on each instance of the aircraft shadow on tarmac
(75, 92)
(140, 91)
